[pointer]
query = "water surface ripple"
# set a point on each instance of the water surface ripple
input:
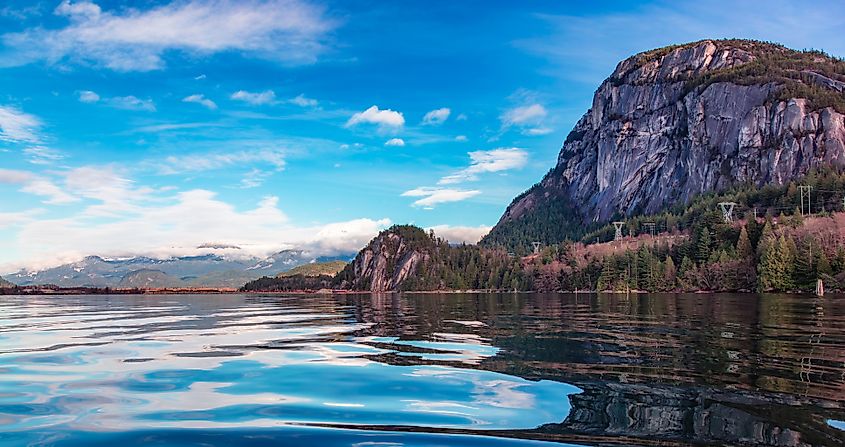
(420, 370)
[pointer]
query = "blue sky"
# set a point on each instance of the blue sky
(153, 127)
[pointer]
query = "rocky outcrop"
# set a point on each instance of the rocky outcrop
(387, 261)
(673, 123)
(4, 283)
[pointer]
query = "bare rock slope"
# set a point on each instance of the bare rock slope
(680, 121)
(388, 260)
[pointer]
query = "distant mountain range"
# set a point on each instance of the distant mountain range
(187, 271)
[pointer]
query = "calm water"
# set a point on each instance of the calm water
(418, 370)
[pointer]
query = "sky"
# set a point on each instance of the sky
(156, 127)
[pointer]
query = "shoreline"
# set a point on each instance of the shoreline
(60, 291)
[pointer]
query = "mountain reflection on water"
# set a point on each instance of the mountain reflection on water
(458, 369)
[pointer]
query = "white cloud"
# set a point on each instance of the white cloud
(210, 161)
(435, 117)
(118, 102)
(431, 196)
(18, 217)
(54, 194)
(524, 115)
(496, 160)
(383, 118)
(112, 191)
(302, 101)
(131, 103)
(11, 177)
(177, 225)
(254, 178)
(256, 99)
(78, 10)
(87, 96)
(42, 155)
(458, 234)
(395, 142)
(461, 138)
(128, 39)
(36, 185)
(341, 237)
(200, 77)
(269, 97)
(201, 100)
(17, 126)
(538, 131)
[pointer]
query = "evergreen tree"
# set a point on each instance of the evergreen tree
(669, 274)
(745, 273)
(743, 246)
(771, 269)
(789, 253)
(687, 274)
(701, 244)
(823, 265)
(805, 267)
(609, 274)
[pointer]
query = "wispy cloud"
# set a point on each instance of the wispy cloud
(436, 117)
(528, 117)
(17, 126)
(395, 142)
(303, 101)
(432, 196)
(31, 183)
(256, 99)
(131, 103)
(118, 102)
(128, 39)
(496, 160)
(254, 178)
(88, 96)
(42, 155)
(268, 97)
(19, 217)
(201, 100)
(275, 159)
(522, 115)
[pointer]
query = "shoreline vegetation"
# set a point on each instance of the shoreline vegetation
(68, 291)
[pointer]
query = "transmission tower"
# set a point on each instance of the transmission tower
(536, 247)
(727, 210)
(805, 191)
(618, 235)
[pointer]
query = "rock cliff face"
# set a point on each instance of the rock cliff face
(673, 123)
(388, 260)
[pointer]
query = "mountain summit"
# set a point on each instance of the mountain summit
(679, 121)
